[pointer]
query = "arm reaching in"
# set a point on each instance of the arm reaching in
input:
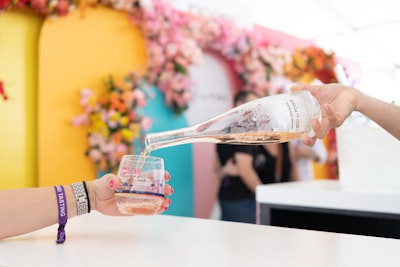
(28, 209)
(338, 102)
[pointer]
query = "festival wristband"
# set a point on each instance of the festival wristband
(62, 213)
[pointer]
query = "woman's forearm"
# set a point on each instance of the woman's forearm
(383, 113)
(29, 209)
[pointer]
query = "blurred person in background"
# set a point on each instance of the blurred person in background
(242, 168)
(306, 156)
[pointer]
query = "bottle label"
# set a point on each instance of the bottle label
(279, 114)
(294, 116)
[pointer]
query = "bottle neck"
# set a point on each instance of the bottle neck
(205, 132)
(154, 141)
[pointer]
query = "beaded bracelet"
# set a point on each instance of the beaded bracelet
(87, 194)
(82, 199)
(62, 213)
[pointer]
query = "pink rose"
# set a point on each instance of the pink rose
(62, 7)
(146, 123)
(140, 98)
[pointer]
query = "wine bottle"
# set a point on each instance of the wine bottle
(272, 119)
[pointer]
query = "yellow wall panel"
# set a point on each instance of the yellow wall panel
(19, 33)
(77, 52)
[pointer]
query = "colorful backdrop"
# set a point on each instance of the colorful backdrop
(44, 64)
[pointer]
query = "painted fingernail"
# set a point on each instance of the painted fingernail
(165, 208)
(112, 183)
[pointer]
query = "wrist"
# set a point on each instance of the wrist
(357, 98)
(81, 197)
(71, 203)
(91, 194)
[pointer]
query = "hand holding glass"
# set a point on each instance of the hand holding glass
(142, 185)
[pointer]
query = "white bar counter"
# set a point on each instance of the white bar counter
(162, 240)
(331, 194)
(382, 205)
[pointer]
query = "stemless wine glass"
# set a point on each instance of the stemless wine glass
(142, 184)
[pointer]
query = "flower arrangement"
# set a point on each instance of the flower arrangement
(309, 63)
(41, 7)
(175, 41)
(170, 52)
(257, 65)
(113, 120)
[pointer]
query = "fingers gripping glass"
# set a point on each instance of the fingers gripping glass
(141, 186)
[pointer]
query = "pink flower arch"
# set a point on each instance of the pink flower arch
(176, 40)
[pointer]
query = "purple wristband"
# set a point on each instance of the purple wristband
(62, 213)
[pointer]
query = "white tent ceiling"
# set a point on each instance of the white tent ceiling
(366, 31)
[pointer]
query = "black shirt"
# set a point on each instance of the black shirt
(263, 162)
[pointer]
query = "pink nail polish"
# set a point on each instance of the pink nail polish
(111, 183)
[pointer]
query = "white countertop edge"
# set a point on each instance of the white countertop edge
(330, 194)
